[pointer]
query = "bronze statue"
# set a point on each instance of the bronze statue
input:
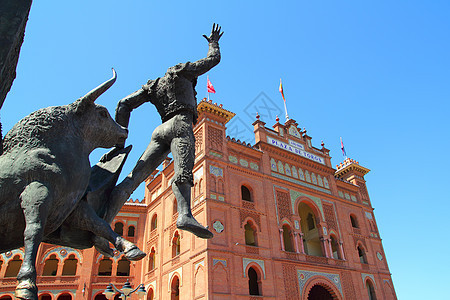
(174, 96)
(44, 173)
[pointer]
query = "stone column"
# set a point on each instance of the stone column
(281, 239)
(296, 242)
(330, 247)
(302, 246)
(325, 246)
(341, 248)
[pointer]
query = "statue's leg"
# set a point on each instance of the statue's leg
(34, 202)
(152, 157)
(183, 151)
(85, 218)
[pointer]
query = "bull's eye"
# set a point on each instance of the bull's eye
(103, 114)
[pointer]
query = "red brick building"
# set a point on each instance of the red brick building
(287, 225)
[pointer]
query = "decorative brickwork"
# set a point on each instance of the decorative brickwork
(283, 205)
(248, 205)
(317, 259)
(360, 239)
(215, 138)
(347, 283)
(290, 282)
(245, 213)
(330, 218)
(198, 141)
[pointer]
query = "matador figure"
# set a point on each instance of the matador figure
(174, 96)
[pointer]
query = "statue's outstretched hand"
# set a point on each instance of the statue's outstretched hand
(215, 34)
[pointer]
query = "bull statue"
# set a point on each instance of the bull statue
(44, 175)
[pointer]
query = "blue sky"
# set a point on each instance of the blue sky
(374, 72)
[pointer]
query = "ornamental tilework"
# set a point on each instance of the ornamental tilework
(273, 165)
(10, 254)
(364, 276)
(233, 159)
(301, 183)
(254, 166)
(243, 214)
(216, 171)
(247, 261)
(317, 201)
(303, 277)
(217, 260)
(243, 162)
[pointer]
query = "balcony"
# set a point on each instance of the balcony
(356, 230)
(248, 205)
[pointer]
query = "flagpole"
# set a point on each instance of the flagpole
(285, 109)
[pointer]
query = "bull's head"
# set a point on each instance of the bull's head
(99, 130)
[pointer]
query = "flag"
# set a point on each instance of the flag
(210, 87)
(343, 149)
(281, 91)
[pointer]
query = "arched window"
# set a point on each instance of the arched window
(311, 222)
(213, 183)
(131, 231)
(194, 190)
(105, 267)
(50, 266)
(254, 288)
(151, 260)
(154, 223)
(118, 228)
(175, 289)
(70, 266)
(245, 193)
(250, 234)
(362, 255)
(354, 221)
(176, 245)
(13, 267)
(287, 239)
(370, 290)
(123, 267)
(150, 294)
(200, 187)
(220, 187)
(311, 234)
(175, 207)
(335, 248)
(43, 297)
(65, 296)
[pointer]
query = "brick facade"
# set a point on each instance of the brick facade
(287, 225)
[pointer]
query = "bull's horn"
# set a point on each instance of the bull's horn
(95, 93)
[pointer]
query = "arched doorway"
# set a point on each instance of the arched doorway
(65, 296)
(175, 289)
(45, 297)
(5, 298)
(318, 292)
(100, 296)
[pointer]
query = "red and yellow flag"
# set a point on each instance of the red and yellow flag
(281, 91)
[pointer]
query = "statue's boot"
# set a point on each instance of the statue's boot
(186, 220)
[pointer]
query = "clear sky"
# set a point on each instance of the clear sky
(374, 72)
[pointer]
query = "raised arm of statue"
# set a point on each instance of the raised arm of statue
(212, 58)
